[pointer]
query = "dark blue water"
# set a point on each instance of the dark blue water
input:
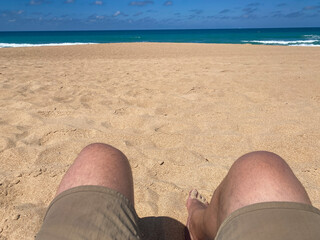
(283, 36)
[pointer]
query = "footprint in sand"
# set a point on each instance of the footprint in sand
(53, 155)
(148, 201)
(6, 143)
(316, 98)
(86, 100)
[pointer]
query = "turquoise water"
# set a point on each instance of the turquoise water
(283, 36)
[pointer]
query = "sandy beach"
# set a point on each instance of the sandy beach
(182, 114)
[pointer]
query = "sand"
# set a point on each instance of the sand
(182, 114)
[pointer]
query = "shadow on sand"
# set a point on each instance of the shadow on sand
(162, 228)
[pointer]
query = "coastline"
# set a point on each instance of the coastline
(253, 43)
(255, 36)
(194, 108)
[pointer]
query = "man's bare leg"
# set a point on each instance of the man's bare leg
(103, 165)
(255, 177)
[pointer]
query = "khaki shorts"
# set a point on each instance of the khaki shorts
(272, 221)
(90, 212)
(95, 212)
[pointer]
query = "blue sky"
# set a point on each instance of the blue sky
(17, 15)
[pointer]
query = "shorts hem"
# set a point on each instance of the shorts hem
(92, 188)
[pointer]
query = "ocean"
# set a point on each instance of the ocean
(264, 36)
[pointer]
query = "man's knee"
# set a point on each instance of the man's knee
(263, 168)
(262, 163)
(101, 148)
(101, 152)
(265, 176)
(102, 165)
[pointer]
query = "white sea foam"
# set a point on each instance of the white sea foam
(317, 37)
(14, 45)
(282, 42)
(287, 43)
(304, 45)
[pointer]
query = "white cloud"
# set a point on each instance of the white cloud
(98, 2)
(140, 3)
(35, 2)
(117, 13)
(168, 3)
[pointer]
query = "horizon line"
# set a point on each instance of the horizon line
(168, 29)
